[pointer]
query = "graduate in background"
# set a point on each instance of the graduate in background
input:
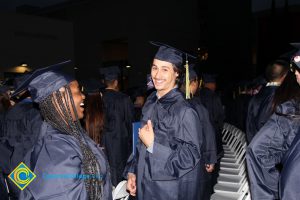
(20, 128)
(167, 162)
(209, 148)
(212, 102)
(118, 118)
(260, 105)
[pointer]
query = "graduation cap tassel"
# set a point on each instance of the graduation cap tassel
(200, 83)
(187, 80)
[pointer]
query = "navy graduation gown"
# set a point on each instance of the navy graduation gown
(172, 171)
(290, 177)
(240, 110)
(259, 111)
(267, 148)
(3, 190)
(116, 140)
(209, 148)
(20, 129)
(56, 159)
(212, 103)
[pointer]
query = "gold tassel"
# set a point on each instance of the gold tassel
(187, 81)
(200, 83)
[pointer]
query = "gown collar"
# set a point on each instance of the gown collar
(169, 98)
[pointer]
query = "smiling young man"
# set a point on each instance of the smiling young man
(164, 76)
(167, 162)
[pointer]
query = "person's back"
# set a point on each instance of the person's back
(209, 149)
(118, 118)
(260, 106)
(259, 110)
(118, 112)
(212, 103)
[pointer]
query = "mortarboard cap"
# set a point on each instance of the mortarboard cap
(171, 54)
(92, 86)
(209, 78)
(44, 81)
(110, 73)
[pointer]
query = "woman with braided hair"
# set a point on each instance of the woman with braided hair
(67, 163)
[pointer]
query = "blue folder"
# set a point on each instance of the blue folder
(135, 135)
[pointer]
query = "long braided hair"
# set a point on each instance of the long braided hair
(57, 112)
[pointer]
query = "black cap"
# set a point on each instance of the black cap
(92, 86)
(171, 54)
(110, 73)
(44, 81)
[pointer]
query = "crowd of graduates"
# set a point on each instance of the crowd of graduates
(58, 125)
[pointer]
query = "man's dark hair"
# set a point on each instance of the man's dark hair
(109, 82)
(276, 70)
(289, 89)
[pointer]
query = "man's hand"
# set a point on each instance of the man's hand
(209, 167)
(131, 184)
(146, 134)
